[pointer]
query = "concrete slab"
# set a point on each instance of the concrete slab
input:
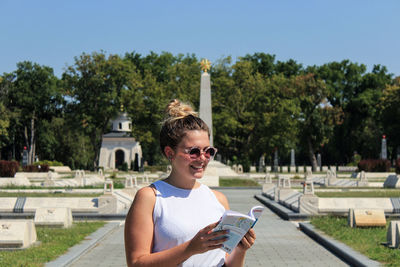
(76, 204)
(53, 217)
(342, 205)
(17, 234)
(7, 204)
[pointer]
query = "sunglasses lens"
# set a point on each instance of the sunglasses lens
(195, 152)
(210, 151)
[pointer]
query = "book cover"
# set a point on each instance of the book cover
(238, 224)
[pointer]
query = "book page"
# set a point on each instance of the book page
(237, 226)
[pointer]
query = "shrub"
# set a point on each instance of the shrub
(8, 168)
(36, 168)
(49, 163)
(124, 167)
(398, 166)
(374, 165)
(155, 168)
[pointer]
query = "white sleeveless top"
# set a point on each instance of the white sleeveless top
(178, 216)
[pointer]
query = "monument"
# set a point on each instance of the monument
(292, 161)
(319, 161)
(119, 147)
(276, 160)
(214, 169)
(205, 97)
(261, 164)
(383, 148)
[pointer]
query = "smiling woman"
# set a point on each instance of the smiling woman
(170, 222)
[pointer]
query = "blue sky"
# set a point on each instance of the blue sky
(311, 32)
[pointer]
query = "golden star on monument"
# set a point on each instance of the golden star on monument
(205, 65)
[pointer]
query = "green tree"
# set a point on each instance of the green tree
(318, 117)
(164, 77)
(95, 84)
(253, 114)
(4, 115)
(364, 112)
(390, 114)
(357, 93)
(34, 98)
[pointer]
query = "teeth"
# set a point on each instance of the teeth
(197, 167)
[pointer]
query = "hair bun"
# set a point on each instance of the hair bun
(177, 110)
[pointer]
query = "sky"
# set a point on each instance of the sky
(312, 32)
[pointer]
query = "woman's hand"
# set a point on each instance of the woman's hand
(206, 239)
(248, 240)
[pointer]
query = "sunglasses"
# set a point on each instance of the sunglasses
(195, 152)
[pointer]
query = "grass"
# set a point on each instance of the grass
(365, 240)
(22, 194)
(54, 243)
(375, 193)
(237, 182)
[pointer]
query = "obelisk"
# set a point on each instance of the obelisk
(215, 169)
(205, 112)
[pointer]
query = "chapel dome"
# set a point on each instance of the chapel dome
(122, 123)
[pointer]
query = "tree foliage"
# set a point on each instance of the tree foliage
(260, 105)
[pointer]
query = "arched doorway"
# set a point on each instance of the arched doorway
(119, 158)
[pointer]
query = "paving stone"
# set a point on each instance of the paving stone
(279, 242)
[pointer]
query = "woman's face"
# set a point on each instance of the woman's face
(183, 163)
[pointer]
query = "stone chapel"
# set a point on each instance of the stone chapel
(119, 146)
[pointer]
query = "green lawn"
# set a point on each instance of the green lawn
(373, 193)
(21, 194)
(54, 243)
(237, 182)
(365, 240)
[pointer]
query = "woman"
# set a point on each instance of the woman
(170, 222)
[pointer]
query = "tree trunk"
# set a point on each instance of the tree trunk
(97, 147)
(27, 141)
(311, 155)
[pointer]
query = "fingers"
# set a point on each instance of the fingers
(207, 239)
(248, 239)
(209, 227)
(252, 233)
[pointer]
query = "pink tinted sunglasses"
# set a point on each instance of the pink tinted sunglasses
(196, 152)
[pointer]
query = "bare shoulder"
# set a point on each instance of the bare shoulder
(222, 199)
(144, 201)
(146, 193)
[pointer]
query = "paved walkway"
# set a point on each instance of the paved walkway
(279, 242)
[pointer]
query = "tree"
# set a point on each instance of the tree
(164, 77)
(253, 114)
(34, 97)
(95, 84)
(318, 117)
(357, 93)
(4, 115)
(390, 114)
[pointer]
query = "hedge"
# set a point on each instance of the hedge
(35, 168)
(8, 168)
(374, 165)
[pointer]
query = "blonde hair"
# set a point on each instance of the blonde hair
(180, 117)
(177, 110)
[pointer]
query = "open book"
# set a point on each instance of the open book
(238, 224)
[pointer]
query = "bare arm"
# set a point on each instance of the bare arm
(139, 230)
(236, 258)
